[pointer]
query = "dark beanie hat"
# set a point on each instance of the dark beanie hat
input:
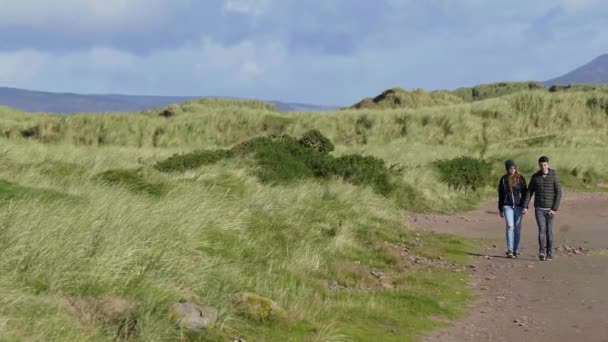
(509, 164)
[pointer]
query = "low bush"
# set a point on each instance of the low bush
(316, 140)
(283, 159)
(464, 173)
(364, 170)
(192, 160)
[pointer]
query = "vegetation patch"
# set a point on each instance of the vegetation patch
(192, 160)
(463, 173)
(134, 180)
(487, 91)
(283, 159)
(401, 98)
(598, 103)
(13, 191)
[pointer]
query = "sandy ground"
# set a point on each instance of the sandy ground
(526, 299)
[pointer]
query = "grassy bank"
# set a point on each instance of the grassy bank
(86, 216)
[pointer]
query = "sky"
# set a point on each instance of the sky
(328, 52)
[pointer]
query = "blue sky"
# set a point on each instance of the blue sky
(331, 52)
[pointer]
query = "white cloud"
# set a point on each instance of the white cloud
(204, 64)
(252, 7)
(573, 6)
(21, 68)
(82, 15)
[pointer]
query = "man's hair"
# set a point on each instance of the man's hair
(543, 159)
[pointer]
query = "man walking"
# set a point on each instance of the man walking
(545, 187)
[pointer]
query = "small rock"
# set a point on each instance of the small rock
(260, 308)
(491, 278)
(501, 297)
(577, 252)
(494, 246)
(193, 317)
(377, 274)
(332, 285)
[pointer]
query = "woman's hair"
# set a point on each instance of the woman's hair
(513, 180)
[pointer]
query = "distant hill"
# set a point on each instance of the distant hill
(594, 72)
(66, 103)
(400, 98)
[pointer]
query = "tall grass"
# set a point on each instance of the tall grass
(84, 214)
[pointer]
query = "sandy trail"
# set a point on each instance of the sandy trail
(525, 299)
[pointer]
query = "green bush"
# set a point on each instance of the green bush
(193, 160)
(283, 159)
(364, 170)
(464, 173)
(316, 140)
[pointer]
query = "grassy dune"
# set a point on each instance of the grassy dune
(85, 215)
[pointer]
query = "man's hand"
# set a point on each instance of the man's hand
(502, 214)
(525, 211)
(551, 212)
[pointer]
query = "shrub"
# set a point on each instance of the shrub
(193, 160)
(31, 132)
(364, 170)
(464, 173)
(167, 112)
(282, 159)
(315, 140)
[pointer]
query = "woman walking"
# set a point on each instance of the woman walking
(512, 190)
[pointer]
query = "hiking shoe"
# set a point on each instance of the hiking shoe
(541, 257)
(549, 257)
(516, 254)
(510, 255)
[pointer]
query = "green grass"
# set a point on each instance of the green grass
(86, 214)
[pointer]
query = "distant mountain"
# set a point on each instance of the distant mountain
(66, 103)
(594, 72)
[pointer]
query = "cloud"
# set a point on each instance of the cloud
(578, 5)
(251, 7)
(328, 52)
(81, 15)
(195, 69)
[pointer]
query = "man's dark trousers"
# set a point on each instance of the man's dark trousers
(545, 230)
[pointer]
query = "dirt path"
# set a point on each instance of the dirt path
(528, 300)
